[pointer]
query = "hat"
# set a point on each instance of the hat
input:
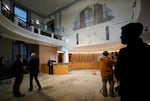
(133, 29)
(105, 53)
(18, 56)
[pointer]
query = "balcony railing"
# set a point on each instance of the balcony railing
(40, 28)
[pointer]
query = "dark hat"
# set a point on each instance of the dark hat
(18, 56)
(133, 29)
(105, 53)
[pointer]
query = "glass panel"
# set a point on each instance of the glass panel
(22, 16)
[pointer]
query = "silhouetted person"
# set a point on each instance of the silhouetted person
(50, 66)
(18, 67)
(132, 68)
(34, 70)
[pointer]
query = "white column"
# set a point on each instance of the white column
(66, 56)
(52, 35)
(45, 27)
(16, 20)
(32, 28)
(39, 31)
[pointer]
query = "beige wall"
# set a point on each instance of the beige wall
(46, 52)
(96, 34)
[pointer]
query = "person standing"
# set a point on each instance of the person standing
(106, 70)
(18, 67)
(34, 70)
(50, 66)
(132, 67)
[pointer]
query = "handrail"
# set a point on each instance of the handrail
(17, 19)
(11, 16)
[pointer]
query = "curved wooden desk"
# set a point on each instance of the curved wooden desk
(60, 68)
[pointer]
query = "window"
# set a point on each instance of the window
(107, 32)
(21, 15)
(89, 16)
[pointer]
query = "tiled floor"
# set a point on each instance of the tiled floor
(78, 85)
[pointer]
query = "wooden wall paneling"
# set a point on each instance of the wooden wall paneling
(46, 52)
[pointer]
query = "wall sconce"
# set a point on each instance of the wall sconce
(77, 39)
(146, 29)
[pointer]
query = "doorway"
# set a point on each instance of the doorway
(50, 25)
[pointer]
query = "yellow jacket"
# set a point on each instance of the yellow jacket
(106, 67)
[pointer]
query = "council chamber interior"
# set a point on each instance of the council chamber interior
(74, 33)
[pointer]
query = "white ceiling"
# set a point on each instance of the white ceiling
(46, 7)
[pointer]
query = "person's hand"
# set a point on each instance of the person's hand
(24, 67)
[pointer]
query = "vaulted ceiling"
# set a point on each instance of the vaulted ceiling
(45, 8)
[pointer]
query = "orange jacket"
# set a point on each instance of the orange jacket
(106, 67)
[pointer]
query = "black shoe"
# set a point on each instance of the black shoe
(105, 95)
(112, 95)
(19, 95)
(30, 89)
(102, 92)
(39, 89)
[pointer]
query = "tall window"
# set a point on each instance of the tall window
(22, 16)
(89, 15)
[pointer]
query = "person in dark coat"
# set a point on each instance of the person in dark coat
(19, 73)
(34, 70)
(132, 67)
(50, 66)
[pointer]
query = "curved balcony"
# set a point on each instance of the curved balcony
(14, 31)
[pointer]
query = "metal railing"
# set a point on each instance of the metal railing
(32, 26)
